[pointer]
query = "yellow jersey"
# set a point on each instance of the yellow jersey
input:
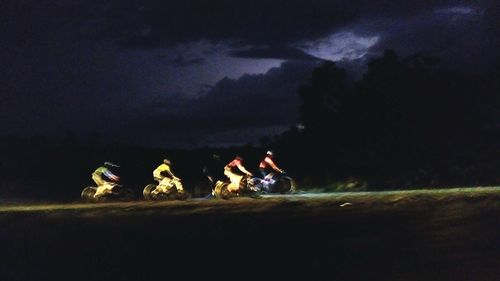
(157, 173)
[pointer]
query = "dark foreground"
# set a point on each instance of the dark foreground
(445, 235)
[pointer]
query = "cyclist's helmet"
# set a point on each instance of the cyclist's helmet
(110, 164)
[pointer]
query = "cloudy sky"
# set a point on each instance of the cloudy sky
(201, 72)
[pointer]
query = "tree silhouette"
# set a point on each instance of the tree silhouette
(404, 115)
(324, 98)
(326, 102)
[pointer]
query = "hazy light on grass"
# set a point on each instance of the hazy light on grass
(243, 204)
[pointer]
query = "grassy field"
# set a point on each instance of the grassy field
(449, 234)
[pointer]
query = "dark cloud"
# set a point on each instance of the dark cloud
(253, 100)
(286, 53)
(103, 64)
(161, 23)
(180, 61)
(457, 34)
(154, 23)
(267, 22)
(249, 107)
(261, 25)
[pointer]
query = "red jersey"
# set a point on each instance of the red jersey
(264, 164)
(234, 163)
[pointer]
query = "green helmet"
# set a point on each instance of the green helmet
(110, 164)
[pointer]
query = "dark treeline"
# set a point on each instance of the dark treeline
(408, 123)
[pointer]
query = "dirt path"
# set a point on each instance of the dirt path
(417, 235)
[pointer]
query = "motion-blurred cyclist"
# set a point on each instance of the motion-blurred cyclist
(104, 178)
(233, 171)
(166, 178)
(267, 168)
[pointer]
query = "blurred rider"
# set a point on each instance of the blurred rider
(104, 178)
(233, 171)
(166, 178)
(213, 173)
(211, 169)
(267, 167)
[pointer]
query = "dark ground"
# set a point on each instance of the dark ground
(381, 236)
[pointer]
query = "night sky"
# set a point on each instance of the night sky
(194, 73)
